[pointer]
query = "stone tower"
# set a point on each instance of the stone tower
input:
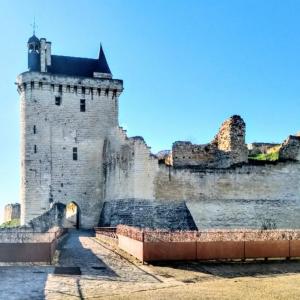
(68, 107)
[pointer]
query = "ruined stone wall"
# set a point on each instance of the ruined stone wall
(129, 167)
(231, 138)
(49, 132)
(186, 154)
(228, 148)
(11, 212)
(290, 149)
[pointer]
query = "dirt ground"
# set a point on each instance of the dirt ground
(272, 279)
(275, 287)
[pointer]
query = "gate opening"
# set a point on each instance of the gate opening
(72, 216)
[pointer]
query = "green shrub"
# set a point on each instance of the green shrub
(273, 156)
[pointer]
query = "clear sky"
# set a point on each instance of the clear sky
(187, 65)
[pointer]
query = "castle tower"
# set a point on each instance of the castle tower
(68, 106)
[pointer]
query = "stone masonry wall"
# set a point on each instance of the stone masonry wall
(49, 132)
(129, 167)
(186, 154)
(12, 211)
(265, 182)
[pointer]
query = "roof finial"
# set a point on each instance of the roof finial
(34, 26)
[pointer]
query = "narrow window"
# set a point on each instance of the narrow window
(68, 88)
(75, 154)
(32, 84)
(75, 89)
(82, 105)
(52, 87)
(58, 101)
(106, 92)
(60, 88)
(35, 149)
(98, 92)
(40, 84)
(34, 129)
(24, 85)
(83, 90)
(114, 94)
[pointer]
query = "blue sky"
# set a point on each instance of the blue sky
(187, 65)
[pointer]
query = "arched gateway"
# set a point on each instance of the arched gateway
(72, 215)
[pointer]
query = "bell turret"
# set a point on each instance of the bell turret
(33, 53)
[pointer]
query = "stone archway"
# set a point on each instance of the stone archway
(72, 219)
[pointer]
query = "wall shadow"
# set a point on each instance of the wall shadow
(73, 254)
(237, 269)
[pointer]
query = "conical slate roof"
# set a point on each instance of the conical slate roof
(103, 65)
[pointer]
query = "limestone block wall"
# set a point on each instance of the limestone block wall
(265, 182)
(53, 130)
(241, 197)
(129, 167)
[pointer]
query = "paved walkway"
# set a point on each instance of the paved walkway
(104, 273)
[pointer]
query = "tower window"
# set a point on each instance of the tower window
(106, 92)
(52, 87)
(82, 105)
(98, 92)
(75, 89)
(75, 153)
(35, 149)
(58, 100)
(40, 84)
(68, 88)
(60, 88)
(32, 84)
(34, 129)
(83, 90)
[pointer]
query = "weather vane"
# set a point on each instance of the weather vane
(33, 25)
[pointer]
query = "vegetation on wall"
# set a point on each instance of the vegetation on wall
(11, 223)
(272, 154)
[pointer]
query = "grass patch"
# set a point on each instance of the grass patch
(11, 223)
(273, 156)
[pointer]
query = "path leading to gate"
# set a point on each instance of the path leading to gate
(103, 272)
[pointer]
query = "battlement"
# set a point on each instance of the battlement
(28, 81)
